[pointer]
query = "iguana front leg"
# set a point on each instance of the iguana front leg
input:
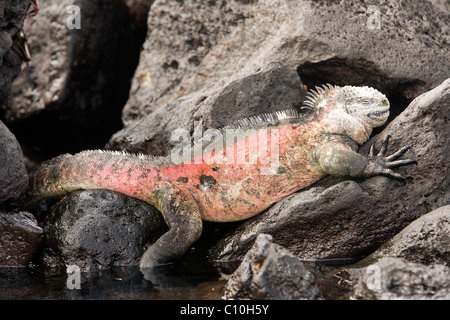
(182, 215)
(338, 160)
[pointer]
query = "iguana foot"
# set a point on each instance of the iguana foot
(381, 165)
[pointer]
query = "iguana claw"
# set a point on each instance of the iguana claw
(381, 165)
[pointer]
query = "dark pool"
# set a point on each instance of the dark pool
(171, 283)
(184, 281)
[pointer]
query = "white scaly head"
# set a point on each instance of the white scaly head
(363, 103)
(366, 104)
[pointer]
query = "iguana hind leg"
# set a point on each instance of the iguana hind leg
(182, 215)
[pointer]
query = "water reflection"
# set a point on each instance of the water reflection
(187, 281)
(175, 282)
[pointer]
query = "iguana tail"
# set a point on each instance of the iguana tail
(111, 170)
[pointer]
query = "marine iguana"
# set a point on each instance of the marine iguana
(319, 139)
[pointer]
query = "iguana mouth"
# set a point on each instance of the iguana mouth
(382, 113)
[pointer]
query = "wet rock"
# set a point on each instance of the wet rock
(426, 240)
(12, 15)
(13, 174)
(78, 80)
(274, 87)
(350, 219)
(397, 279)
(98, 229)
(269, 271)
(21, 238)
(400, 48)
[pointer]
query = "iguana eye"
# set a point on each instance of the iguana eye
(366, 101)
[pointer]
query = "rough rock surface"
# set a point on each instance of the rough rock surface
(444, 5)
(98, 229)
(269, 271)
(72, 94)
(274, 87)
(12, 15)
(349, 219)
(20, 238)
(400, 47)
(42, 82)
(13, 174)
(397, 279)
(426, 240)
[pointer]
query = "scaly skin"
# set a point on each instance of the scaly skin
(324, 141)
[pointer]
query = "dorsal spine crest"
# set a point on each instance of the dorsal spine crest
(314, 97)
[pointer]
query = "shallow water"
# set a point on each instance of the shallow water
(116, 283)
(184, 281)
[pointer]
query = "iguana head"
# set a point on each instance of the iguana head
(366, 104)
